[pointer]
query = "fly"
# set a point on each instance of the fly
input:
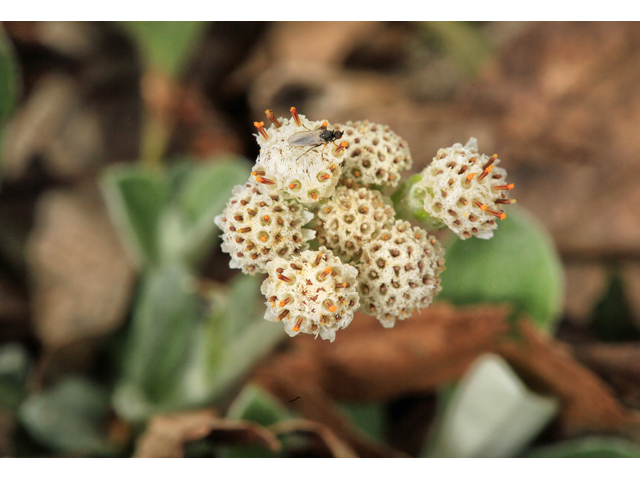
(315, 138)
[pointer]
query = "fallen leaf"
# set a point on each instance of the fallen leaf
(167, 435)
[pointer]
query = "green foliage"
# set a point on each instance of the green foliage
(612, 318)
(255, 404)
(69, 418)
(408, 202)
(165, 46)
(135, 199)
(161, 334)
(519, 265)
(9, 75)
(14, 365)
(168, 217)
(589, 447)
(9, 83)
(462, 41)
(368, 417)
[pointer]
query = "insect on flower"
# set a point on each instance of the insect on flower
(315, 138)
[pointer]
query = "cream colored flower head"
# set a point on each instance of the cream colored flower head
(375, 155)
(306, 172)
(258, 227)
(350, 218)
(399, 272)
(465, 190)
(313, 292)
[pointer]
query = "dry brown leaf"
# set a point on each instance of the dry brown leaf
(427, 351)
(167, 435)
(82, 277)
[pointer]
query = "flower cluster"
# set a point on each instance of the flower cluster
(466, 190)
(313, 218)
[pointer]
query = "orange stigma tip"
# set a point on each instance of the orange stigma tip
(264, 181)
(341, 147)
(504, 187)
(263, 238)
(266, 218)
(469, 178)
(273, 118)
(486, 172)
(314, 195)
(292, 186)
(260, 127)
(296, 118)
(257, 172)
(332, 308)
(500, 215)
(481, 206)
(296, 328)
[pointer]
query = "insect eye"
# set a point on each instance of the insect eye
(338, 134)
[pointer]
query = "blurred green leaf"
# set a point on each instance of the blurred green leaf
(14, 365)
(135, 199)
(612, 319)
(232, 339)
(9, 84)
(257, 405)
(165, 46)
(590, 447)
(367, 417)
(491, 413)
(158, 347)
(69, 417)
(203, 194)
(519, 265)
(9, 75)
(464, 42)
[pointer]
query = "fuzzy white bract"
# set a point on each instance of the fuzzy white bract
(313, 292)
(466, 190)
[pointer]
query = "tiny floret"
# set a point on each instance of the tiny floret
(258, 227)
(399, 273)
(350, 219)
(313, 292)
(299, 168)
(375, 155)
(465, 190)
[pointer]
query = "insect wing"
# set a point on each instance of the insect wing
(302, 139)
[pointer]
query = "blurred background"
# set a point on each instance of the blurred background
(123, 332)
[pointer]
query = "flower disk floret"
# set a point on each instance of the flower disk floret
(313, 292)
(258, 227)
(350, 219)
(399, 273)
(465, 190)
(375, 155)
(306, 173)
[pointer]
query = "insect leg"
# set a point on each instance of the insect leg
(305, 153)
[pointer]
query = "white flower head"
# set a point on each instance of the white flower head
(350, 219)
(399, 272)
(258, 227)
(307, 173)
(313, 292)
(375, 155)
(466, 190)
